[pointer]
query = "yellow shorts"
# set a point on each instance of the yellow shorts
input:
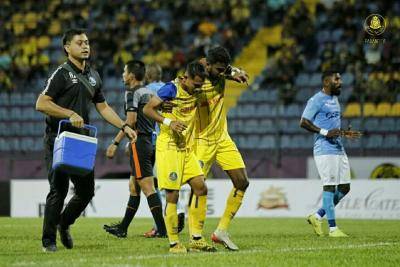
(176, 167)
(225, 153)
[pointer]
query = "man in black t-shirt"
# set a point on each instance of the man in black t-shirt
(142, 154)
(67, 95)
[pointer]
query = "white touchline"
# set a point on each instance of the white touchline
(241, 252)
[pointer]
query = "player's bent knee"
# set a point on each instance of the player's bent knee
(200, 190)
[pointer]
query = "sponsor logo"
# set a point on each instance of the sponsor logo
(273, 198)
(92, 81)
(73, 77)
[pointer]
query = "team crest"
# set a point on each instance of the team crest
(374, 24)
(92, 81)
(173, 176)
(73, 77)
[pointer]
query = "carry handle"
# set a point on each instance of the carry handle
(87, 126)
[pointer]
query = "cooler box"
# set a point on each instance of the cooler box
(74, 153)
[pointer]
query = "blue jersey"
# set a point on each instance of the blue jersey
(154, 86)
(324, 112)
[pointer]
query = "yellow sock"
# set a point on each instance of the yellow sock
(190, 211)
(171, 222)
(232, 206)
(197, 215)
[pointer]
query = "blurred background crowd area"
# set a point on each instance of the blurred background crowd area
(309, 36)
(170, 33)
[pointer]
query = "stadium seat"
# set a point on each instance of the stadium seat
(390, 141)
(371, 124)
(347, 78)
(315, 79)
(251, 126)
(352, 110)
(267, 126)
(4, 99)
(369, 109)
(387, 125)
(383, 109)
(267, 142)
(4, 144)
(374, 141)
(302, 79)
(354, 143)
(395, 110)
(285, 141)
(355, 123)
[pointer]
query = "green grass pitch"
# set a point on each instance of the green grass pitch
(262, 242)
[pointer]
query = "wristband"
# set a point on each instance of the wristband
(123, 126)
(167, 121)
(323, 132)
(115, 143)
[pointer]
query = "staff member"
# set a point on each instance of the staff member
(68, 93)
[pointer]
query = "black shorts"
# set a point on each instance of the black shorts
(142, 156)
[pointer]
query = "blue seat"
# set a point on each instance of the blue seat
(27, 144)
(315, 80)
(265, 111)
(253, 142)
(347, 78)
(4, 114)
(302, 79)
(387, 125)
(267, 126)
(285, 141)
(4, 144)
(390, 141)
(251, 126)
(15, 99)
(371, 124)
(4, 99)
(374, 141)
(267, 142)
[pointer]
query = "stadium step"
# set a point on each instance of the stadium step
(253, 59)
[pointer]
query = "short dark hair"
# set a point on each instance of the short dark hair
(138, 68)
(195, 68)
(218, 54)
(69, 35)
(328, 74)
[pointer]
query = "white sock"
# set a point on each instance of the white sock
(318, 216)
(331, 229)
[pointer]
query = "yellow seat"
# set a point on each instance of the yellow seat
(383, 109)
(369, 109)
(395, 111)
(352, 110)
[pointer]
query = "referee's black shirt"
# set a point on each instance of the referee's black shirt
(68, 91)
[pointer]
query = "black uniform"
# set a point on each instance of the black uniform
(143, 152)
(67, 91)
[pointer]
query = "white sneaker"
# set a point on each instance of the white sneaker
(222, 237)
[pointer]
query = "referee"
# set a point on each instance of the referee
(67, 95)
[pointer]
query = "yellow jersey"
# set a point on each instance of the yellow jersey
(185, 111)
(211, 125)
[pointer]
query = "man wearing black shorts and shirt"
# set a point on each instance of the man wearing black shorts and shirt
(67, 95)
(142, 154)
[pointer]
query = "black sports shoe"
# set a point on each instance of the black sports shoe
(116, 230)
(50, 248)
(65, 236)
(181, 221)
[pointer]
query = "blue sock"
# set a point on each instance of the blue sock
(336, 198)
(328, 206)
